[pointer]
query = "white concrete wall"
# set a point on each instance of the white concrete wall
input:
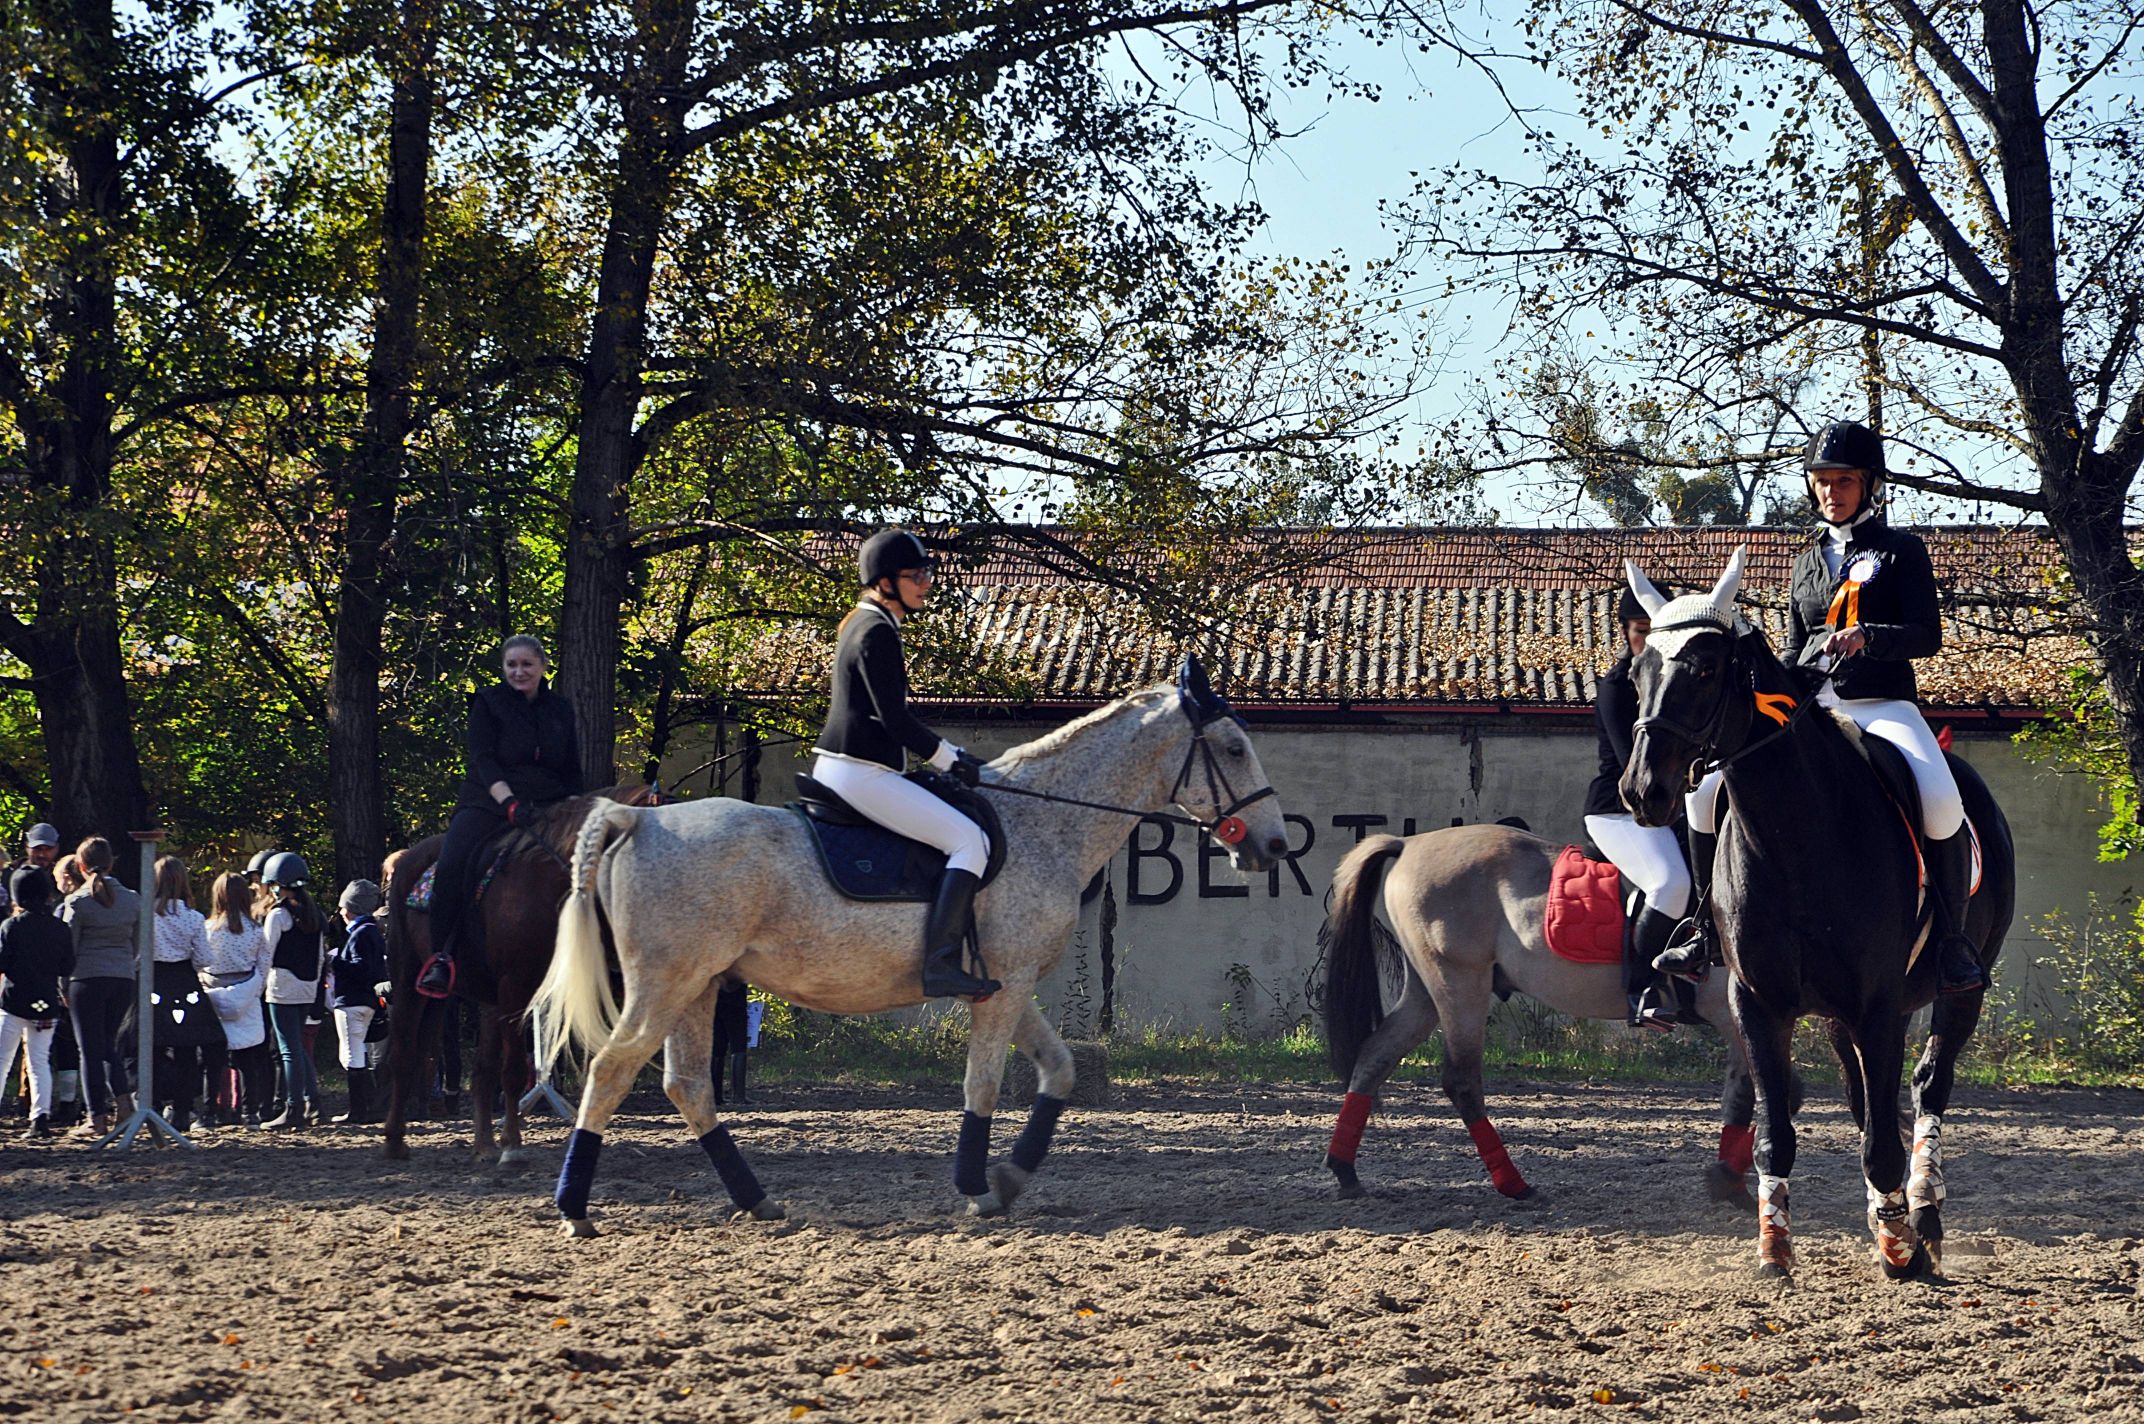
(1184, 918)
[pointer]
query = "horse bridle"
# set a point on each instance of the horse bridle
(1707, 738)
(1226, 826)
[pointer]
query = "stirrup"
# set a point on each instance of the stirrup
(1950, 953)
(426, 975)
(1646, 1011)
(1689, 954)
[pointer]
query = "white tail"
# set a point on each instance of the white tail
(575, 1003)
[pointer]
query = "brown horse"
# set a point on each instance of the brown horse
(518, 921)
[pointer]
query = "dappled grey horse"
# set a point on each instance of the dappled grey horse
(691, 892)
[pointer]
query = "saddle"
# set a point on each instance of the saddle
(1896, 778)
(473, 976)
(1588, 918)
(865, 861)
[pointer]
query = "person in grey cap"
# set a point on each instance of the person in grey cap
(357, 984)
(41, 844)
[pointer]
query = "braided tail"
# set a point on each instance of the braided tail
(575, 1003)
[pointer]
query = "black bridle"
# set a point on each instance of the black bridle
(1708, 738)
(1225, 827)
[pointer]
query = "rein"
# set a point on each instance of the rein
(1706, 739)
(1226, 827)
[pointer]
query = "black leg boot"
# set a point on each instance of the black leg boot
(360, 1100)
(1650, 1005)
(1692, 947)
(944, 976)
(737, 1077)
(1950, 879)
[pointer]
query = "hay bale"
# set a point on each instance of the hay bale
(1090, 1061)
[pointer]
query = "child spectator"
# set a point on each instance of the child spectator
(187, 1034)
(36, 954)
(295, 943)
(105, 919)
(355, 991)
(236, 978)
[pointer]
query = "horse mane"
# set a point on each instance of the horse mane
(559, 824)
(1051, 742)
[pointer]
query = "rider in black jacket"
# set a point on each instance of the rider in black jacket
(1863, 606)
(869, 729)
(524, 752)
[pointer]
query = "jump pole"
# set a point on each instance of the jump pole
(145, 1113)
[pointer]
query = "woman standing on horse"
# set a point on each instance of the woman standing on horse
(868, 728)
(1650, 857)
(524, 752)
(1862, 606)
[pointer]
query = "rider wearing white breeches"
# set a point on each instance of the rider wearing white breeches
(1650, 857)
(869, 731)
(1863, 605)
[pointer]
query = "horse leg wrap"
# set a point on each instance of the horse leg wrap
(970, 1178)
(1034, 1141)
(730, 1166)
(1738, 1148)
(1347, 1132)
(1924, 1184)
(577, 1175)
(1495, 1158)
(1775, 1242)
(1895, 1239)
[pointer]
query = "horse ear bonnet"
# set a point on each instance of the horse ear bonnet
(1201, 703)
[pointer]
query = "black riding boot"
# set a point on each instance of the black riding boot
(1950, 881)
(944, 976)
(360, 1099)
(1693, 947)
(737, 1077)
(1652, 1003)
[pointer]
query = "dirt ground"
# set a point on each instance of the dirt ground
(1182, 1256)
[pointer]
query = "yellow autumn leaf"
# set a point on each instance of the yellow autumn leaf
(560, 1323)
(1604, 1395)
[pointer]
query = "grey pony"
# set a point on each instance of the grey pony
(694, 891)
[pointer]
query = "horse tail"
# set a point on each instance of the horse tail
(1354, 995)
(575, 1000)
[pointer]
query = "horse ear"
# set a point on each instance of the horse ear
(1723, 592)
(1192, 681)
(1651, 599)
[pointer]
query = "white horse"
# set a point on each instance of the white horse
(697, 890)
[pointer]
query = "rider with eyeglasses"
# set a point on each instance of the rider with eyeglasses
(1863, 606)
(860, 755)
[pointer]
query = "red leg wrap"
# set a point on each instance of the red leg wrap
(1495, 1158)
(1738, 1148)
(1347, 1132)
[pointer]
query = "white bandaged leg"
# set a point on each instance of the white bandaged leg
(1924, 1183)
(1702, 806)
(1650, 857)
(906, 809)
(1900, 724)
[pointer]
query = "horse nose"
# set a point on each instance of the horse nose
(1278, 845)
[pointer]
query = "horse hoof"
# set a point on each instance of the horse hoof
(580, 1228)
(987, 1205)
(1007, 1182)
(1915, 1266)
(515, 1159)
(397, 1151)
(1527, 1196)
(1934, 1250)
(765, 1209)
(1724, 1184)
(1349, 1191)
(1773, 1271)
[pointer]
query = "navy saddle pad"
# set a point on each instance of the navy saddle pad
(865, 861)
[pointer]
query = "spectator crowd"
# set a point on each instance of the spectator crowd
(238, 996)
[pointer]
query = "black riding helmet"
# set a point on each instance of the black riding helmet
(1628, 610)
(1846, 445)
(886, 553)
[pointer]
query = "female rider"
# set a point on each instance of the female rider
(868, 727)
(1650, 857)
(1863, 606)
(524, 752)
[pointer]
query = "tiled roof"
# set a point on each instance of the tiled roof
(1402, 618)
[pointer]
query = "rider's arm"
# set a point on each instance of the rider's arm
(483, 747)
(887, 682)
(1918, 633)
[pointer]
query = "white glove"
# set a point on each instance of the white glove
(382, 989)
(943, 758)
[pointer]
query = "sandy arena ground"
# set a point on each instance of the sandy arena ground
(1181, 1257)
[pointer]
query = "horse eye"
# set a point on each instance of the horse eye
(1236, 750)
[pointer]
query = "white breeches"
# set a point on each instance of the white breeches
(351, 1026)
(1900, 724)
(1650, 858)
(906, 809)
(35, 1036)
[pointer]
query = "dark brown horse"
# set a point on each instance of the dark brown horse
(515, 923)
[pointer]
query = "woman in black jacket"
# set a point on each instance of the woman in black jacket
(524, 752)
(1862, 606)
(869, 732)
(36, 956)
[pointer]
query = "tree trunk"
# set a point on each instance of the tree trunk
(72, 641)
(598, 548)
(357, 802)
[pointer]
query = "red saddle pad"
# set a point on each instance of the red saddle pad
(1584, 919)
